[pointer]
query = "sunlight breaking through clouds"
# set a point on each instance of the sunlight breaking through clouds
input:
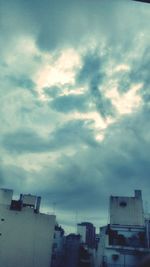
(58, 71)
(128, 102)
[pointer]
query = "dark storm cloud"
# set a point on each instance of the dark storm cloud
(92, 66)
(49, 22)
(103, 104)
(69, 134)
(56, 24)
(52, 91)
(24, 141)
(138, 73)
(22, 82)
(12, 176)
(141, 73)
(93, 74)
(83, 172)
(76, 132)
(71, 186)
(76, 21)
(68, 103)
(117, 166)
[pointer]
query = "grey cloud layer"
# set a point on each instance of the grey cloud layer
(70, 134)
(70, 103)
(57, 24)
(103, 33)
(122, 159)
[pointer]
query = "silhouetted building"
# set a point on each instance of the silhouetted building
(72, 248)
(84, 257)
(87, 232)
(58, 252)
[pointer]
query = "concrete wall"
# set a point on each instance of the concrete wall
(59, 240)
(25, 237)
(58, 248)
(6, 196)
(123, 259)
(126, 210)
(103, 242)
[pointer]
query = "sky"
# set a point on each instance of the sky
(75, 104)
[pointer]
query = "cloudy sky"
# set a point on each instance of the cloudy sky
(75, 103)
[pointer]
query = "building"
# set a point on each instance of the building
(127, 210)
(85, 257)
(72, 250)
(58, 252)
(26, 235)
(124, 241)
(87, 232)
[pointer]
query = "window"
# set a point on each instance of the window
(115, 257)
(123, 204)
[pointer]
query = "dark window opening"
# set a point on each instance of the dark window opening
(16, 205)
(123, 204)
(115, 257)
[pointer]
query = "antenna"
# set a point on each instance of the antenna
(76, 220)
(54, 208)
(146, 207)
(76, 216)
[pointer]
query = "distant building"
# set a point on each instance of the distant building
(85, 257)
(72, 249)
(26, 235)
(147, 226)
(58, 252)
(87, 232)
(124, 241)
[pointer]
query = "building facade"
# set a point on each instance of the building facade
(58, 251)
(72, 250)
(124, 241)
(87, 232)
(26, 235)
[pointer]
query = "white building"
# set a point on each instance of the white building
(26, 235)
(123, 242)
(127, 210)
